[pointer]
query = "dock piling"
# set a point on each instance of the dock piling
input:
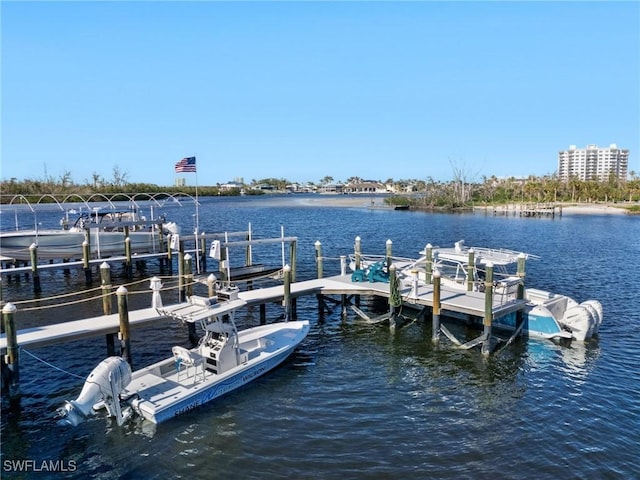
(11, 361)
(33, 252)
(395, 297)
(181, 286)
(488, 309)
(520, 293)
(358, 253)
(435, 336)
(414, 283)
(203, 252)
(287, 292)
(318, 246)
(128, 265)
(428, 264)
(188, 274)
(123, 335)
(293, 249)
(85, 263)
(105, 277)
(470, 268)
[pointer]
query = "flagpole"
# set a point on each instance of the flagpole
(197, 221)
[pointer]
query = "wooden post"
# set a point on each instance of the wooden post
(395, 298)
(520, 293)
(488, 309)
(521, 274)
(169, 254)
(293, 247)
(203, 252)
(319, 266)
(11, 360)
(87, 239)
(414, 283)
(33, 252)
(105, 277)
(222, 265)
(263, 314)
(435, 336)
(389, 246)
(123, 335)
(128, 266)
(248, 254)
(287, 292)
(470, 270)
(181, 287)
(358, 253)
(160, 231)
(85, 263)
(428, 266)
(188, 274)
(318, 246)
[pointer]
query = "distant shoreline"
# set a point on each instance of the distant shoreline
(574, 208)
(362, 201)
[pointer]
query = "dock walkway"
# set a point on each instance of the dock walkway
(452, 301)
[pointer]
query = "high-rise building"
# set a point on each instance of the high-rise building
(593, 163)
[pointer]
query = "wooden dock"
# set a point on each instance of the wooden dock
(454, 302)
(529, 210)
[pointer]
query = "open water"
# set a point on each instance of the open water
(358, 401)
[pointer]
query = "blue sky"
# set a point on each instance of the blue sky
(304, 90)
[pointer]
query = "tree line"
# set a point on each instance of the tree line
(459, 192)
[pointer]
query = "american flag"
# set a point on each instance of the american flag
(187, 164)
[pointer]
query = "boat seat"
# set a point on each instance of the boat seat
(202, 301)
(185, 361)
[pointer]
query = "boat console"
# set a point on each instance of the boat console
(219, 347)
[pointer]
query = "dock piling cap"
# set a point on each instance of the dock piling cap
(121, 290)
(9, 308)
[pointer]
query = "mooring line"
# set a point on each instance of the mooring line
(51, 365)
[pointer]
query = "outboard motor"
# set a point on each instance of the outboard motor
(103, 384)
(595, 307)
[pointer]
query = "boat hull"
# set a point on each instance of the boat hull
(215, 390)
(537, 324)
(65, 244)
(152, 391)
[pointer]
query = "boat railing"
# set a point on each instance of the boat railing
(366, 260)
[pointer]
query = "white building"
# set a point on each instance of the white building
(593, 163)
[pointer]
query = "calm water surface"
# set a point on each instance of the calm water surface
(357, 400)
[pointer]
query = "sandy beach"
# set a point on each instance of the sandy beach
(358, 201)
(574, 208)
(591, 209)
